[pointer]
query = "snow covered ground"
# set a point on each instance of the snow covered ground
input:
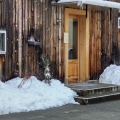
(111, 75)
(33, 95)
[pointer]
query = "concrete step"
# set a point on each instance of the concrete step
(83, 100)
(93, 81)
(85, 89)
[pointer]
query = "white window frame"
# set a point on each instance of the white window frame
(119, 22)
(3, 51)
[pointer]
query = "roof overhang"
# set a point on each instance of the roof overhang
(101, 3)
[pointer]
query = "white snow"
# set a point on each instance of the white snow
(104, 3)
(111, 75)
(33, 95)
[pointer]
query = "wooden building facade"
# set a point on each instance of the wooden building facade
(97, 48)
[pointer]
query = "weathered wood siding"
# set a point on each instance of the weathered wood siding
(104, 41)
(109, 39)
(95, 44)
(18, 17)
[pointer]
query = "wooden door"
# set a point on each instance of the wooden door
(76, 45)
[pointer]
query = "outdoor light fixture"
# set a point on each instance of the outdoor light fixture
(32, 40)
(2, 42)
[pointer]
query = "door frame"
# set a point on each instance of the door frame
(84, 60)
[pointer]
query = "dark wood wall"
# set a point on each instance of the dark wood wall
(18, 17)
(95, 44)
(104, 41)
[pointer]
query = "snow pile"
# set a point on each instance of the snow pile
(33, 95)
(111, 75)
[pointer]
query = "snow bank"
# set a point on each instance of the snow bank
(33, 95)
(111, 75)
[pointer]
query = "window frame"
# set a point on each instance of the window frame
(119, 22)
(3, 51)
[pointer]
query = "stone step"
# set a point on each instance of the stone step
(93, 81)
(93, 89)
(83, 100)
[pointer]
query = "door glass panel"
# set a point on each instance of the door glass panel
(73, 38)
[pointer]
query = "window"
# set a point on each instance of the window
(2, 41)
(118, 22)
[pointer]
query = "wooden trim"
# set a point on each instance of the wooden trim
(84, 48)
(78, 50)
(74, 12)
(73, 16)
(87, 46)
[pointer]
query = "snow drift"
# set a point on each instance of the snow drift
(111, 75)
(33, 95)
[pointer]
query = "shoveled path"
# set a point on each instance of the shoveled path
(102, 111)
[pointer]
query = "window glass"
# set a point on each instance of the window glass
(2, 42)
(73, 38)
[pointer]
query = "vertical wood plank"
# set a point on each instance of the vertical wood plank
(60, 42)
(20, 38)
(26, 20)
